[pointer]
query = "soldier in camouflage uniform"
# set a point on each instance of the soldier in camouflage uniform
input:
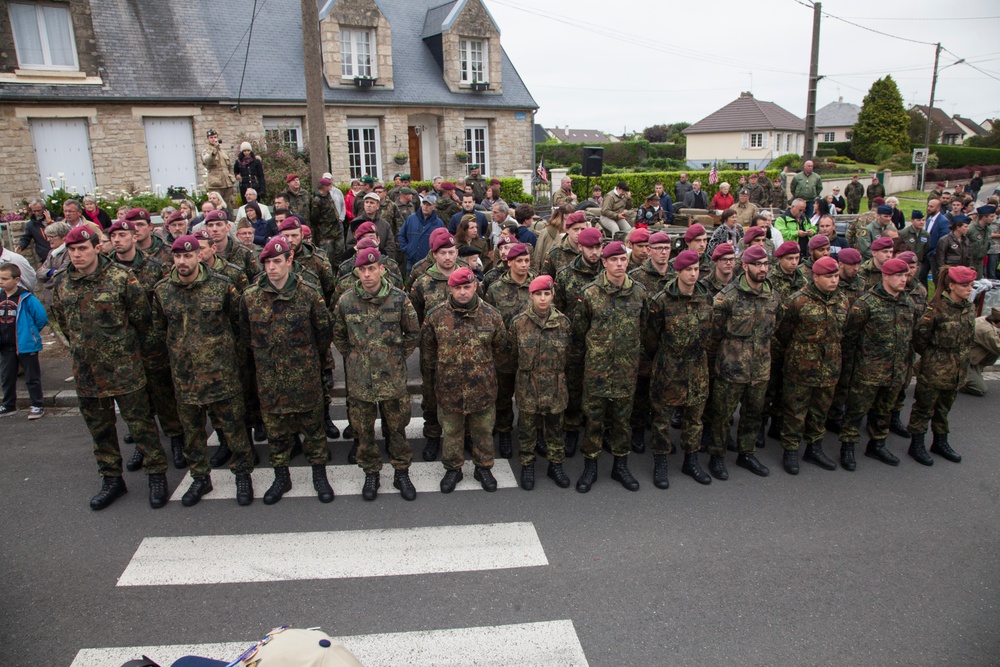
(569, 283)
(875, 189)
(324, 220)
(504, 244)
(918, 295)
(745, 315)
(217, 227)
(286, 323)
(680, 321)
(347, 281)
(155, 362)
(370, 213)
(914, 237)
(819, 247)
(208, 257)
(723, 272)
(870, 272)
(567, 250)
(877, 345)
(197, 310)
(778, 196)
(851, 285)
(786, 278)
(460, 342)
(880, 227)
(696, 239)
(638, 245)
(448, 204)
(150, 244)
(375, 327)
(429, 291)
(478, 183)
(756, 193)
(812, 323)
(943, 336)
(104, 315)
(539, 339)
(510, 296)
(979, 236)
(853, 193)
(388, 211)
(608, 325)
(368, 230)
(854, 229)
(297, 197)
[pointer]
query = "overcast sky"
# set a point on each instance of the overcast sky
(595, 64)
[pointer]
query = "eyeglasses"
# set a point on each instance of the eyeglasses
(760, 265)
(252, 651)
(728, 260)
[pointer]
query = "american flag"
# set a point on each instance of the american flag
(541, 171)
(713, 176)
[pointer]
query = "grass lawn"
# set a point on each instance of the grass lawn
(908, 201)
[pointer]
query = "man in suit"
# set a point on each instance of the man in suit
(696, 197)
(936, 227)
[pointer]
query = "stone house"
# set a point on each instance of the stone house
(108, 92)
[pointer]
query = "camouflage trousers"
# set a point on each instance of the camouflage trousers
(641, 405)
(505, 401)
(428, 406)
(251, 400)
(874, 401)
(725, 397)
(853, 206)
(99, 415)
(901, 396)
(528, 425)
(480, 426)
(775, 385)
(930, 404)
(227, 418)
(804, 414)
(691, 426)
(395, 417)
(573, 417)
(282, 429)
(707, 416)
(162, 402)
(609, 415)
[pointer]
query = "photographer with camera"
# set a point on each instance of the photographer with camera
(220, 175)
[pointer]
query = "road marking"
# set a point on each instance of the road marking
(228, 559)
(544, 644)
(347, 480)
(414, 432)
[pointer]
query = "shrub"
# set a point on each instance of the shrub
(826, 152)
(790, 160)
(621, 154)
(278, 161)
(641, 184)
(840, 159)
(963, 156)
(898, 162)
(962, 173)
(511, 189)
(842, 148)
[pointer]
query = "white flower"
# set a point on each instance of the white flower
(61, 175)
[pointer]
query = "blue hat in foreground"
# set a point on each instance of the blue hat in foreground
(884, 209)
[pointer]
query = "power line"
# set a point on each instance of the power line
(246, 58)
(237, 47)
(966, 62)
(877, 32)
(918, 18)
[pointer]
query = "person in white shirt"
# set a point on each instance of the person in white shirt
(251, 196)
(337, 196)
(28, 276)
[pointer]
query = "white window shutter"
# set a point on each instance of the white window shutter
(746, 140)
(766, 136)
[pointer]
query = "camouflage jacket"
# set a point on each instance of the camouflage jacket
(288, 331)
(560, 256)
(852, 288)
(943, 337)
(299, 204)
(324, 220)
(376, 334)
(854, 191)
(877, 338)
(231, 271)
(713, 284)
(743, 322)
(105, 317)
(201, 322)
(148, 271)
(859, 223)
(569, 284)
(866, 235)
(647, 276)
(812, 324)
(458, 348)
(540, 344)
(779, 199)
(236, 253)
(677, 340)
(979, 242)
(608, 326)
(346, 267)
(421, 267)
(759, 196)
(447, 207)
(161, 251)
(317, 264)
(917, 294)
(509, 299)
(787, 284)
(430, 290)
(869, 274)
(389, 211)
(478, 187)
(915, 240)
(494, 274)
(346, 283)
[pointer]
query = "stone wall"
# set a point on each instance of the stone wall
(355, 14)
(83, 32)
(473, 22)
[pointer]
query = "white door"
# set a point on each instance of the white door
(62, 146)
(170, 147)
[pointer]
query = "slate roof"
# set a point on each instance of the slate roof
(747, 114)
(579, 136)
(972, 125)
(541, 136)
(186, 51)
(837, 114)
(948, 126)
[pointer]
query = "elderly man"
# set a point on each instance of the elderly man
(414, 237)
(696, 197)
(565, 194)
(745, 209)
(795, 226)
(57, 259)
(807, 184)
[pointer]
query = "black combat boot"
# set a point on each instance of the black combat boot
(750, 462)
(158, 495)
(717, 466)
(775, 429)
(222, 454)
(706, 440)
(589, 475)
(199, 487)
(660, 480)
(558, 475)
(897, 426)
(693, 468)
(876, 449)
(244, 489)
(504, 449)
(432, 448)
(112, 488)
(847, 461)
(281, 485)
(675, 420)
(941, 447)
(348, 432)
(541, 449)
(177, 450)
(259, 432)
(569, 441)
(485, 477)
(761, 440)
(332, 432)
(135, 462)
(638, 439)
(815, 454)
(528, 477)
(370, 490)
(790, 461)
(352, 455)
(834, 425)
(128, 439)
(621, 473)
(320, 483)
(401, 480)
(917, 450)
(450, 480)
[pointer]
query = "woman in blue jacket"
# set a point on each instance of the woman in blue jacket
(22, 317)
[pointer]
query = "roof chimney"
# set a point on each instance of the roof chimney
(746, 94)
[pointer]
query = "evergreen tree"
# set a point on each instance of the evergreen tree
(883, 124)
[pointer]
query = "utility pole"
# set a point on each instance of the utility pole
(312, 58)
(930, 110)
(807, 153)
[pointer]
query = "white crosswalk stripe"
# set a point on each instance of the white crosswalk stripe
(544, 644)
(414, 433)
(209, 559)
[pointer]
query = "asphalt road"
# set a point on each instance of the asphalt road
(884, 566)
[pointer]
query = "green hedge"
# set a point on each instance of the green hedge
(841, 147)
(643, 184)
(620, 154)
(953, 157)
(511, 189)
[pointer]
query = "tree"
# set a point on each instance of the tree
(882, 122)
(918, 128)
(991, 140)
(655, 134)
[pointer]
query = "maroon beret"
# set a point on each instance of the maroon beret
(463, 275)
(754, 253)
(79, 234)
(818, 241)
(849, 256)
(722, 250)
(325, 181)
(447, 185)
(138, 214)
(366, 227)
(881, 243)
(121, 226)
(202, 235)
(290, 178)
(878, 201)
(306, 232)
(575, 218)
(517, 250)
(824, 266)
(291, 222)
(540, 283)
(958, 274)
(693, 232)
(505, 241)
(613, 249)
(659, 237)
(175, 216)
(441, 238)
(212, 216)
(686, 258)
(495, 181)
(590, 237)
(787, 248)
(752, 233)
(278, 245)
(908, 256)
(894, 266)
(367, 256)
(367, 243)
(186, 243)
(640, 235)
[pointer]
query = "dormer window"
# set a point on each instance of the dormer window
(43, 37)
(357, 53)
(474, 56)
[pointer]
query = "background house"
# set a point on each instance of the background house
(747, 133)
(835, 120)
(565, 135)
(951, 132)
(114, 91)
